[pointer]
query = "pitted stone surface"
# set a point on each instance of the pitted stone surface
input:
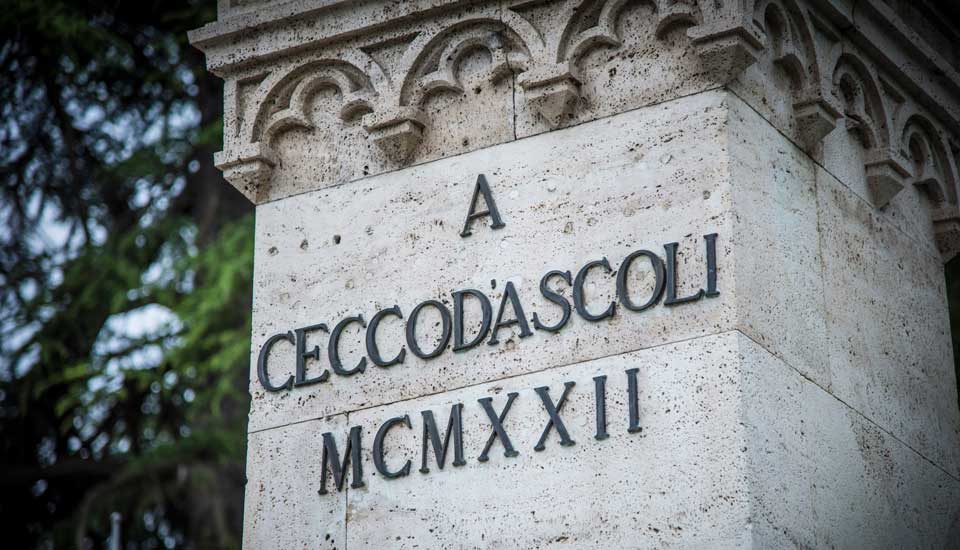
(848, 275)
(369, 87)
(789, 465)
(824, 476)
(778, 284)
(632, 490)
(709, 164)
(811, 404)
(281, 506)
(888, 326)
(602, 190)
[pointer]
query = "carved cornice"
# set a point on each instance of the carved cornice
(812, 67)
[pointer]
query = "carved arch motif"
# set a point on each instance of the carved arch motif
(933, 169)
(946, 218)
(391, 107)
(553, 88)
(726, 38)
(857, 90)
(430, 66)
(280, 102)
(930, 168)
(286, 104)
(788, 44)
(791, 47)
(385, 83)
(436, 68)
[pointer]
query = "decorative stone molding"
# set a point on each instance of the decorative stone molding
(814, 71)
(554, 96)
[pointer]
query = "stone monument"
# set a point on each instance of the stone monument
(597, 274)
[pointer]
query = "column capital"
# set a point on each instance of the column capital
(319, 92)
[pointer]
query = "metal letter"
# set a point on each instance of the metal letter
(633, 400)
(578, 299)
(491, 210)
(432, 436)
(600, 388)
(711, 266)
(411, 329)
(458, 344)
(372, 350)
(510, 293)
(672, 299)
(351, 454)
(497, 422)
(554, 413)
(658, 275)
(303, 355)
(262, 362)
(378, 459)
(334, 353)
(556, 298)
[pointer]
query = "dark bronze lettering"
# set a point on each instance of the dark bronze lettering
(458, 328)
(658, 277)
(510, 293)
(579, 301)
(554, 412)
(498, 432)
(378, 458)
(333, 348)
(303, 355)
(373, 351)
(412, 329)
(556, 298)
(600, 389)
(331, 458)
(472, 213)
(672, 299)
(431, 436)
(262, 362)
(665, 288)
(712, 291)
(634, 401)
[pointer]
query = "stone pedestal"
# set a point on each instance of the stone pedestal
(705, 307)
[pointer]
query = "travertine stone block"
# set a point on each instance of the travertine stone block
(627, 47)
(822, 475)
(789, 464)
(630, 490)
(720, 169)
(281, 506)
(887, 325)
(779, 284)
(603, 190)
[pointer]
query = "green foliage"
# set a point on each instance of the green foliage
(125, 282)
(194, 459)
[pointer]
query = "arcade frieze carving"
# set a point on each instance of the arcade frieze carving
(380, 82)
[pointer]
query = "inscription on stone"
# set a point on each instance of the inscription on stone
(482, 190)
(666, 281)
(338, 462)
(351, 459)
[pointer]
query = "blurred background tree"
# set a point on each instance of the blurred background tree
(125, 282)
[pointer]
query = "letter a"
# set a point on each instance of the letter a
(491, 210)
